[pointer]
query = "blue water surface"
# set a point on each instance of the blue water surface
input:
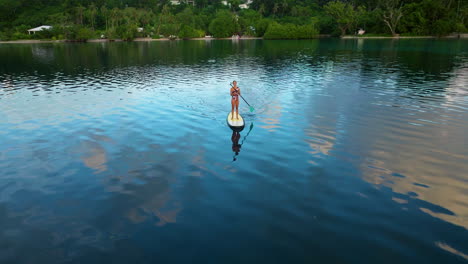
(120, 153)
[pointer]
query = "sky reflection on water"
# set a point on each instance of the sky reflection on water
(119, 152)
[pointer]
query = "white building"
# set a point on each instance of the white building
(34, 30)
(178, 2)
(246, 4)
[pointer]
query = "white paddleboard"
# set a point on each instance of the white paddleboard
(235, 123)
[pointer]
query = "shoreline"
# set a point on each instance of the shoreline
(37, 41)
(460, 36)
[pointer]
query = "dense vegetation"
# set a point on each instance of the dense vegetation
(273, 19)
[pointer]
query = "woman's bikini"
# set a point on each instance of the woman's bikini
(235, 97)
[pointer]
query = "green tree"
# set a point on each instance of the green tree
(186, 17)
(344, 14)
(105, 14)
(415, 21)
(114, 17)
(127, 31)
(189, 32)
(59, 20)
(224, 25)
(164, 18)
(78, 33)
(261, 27)
(119, 18)
(91, 14)
(79, 14)
(391, 14)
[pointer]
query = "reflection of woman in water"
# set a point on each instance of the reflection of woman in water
(235, 143)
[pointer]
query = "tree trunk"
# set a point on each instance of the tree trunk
(389, 25)
(392, 15)
(159, 25)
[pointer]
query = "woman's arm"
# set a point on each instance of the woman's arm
(234, 92)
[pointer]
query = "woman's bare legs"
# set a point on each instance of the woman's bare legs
(233, 102)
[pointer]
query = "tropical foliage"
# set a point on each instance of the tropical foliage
(274, 19)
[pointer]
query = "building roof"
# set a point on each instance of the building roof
(40, 28)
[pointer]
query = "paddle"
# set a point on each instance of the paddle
(245, 137)
(251, 108)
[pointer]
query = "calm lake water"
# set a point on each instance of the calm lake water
(120, 153)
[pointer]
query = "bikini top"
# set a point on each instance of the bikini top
(236, 95)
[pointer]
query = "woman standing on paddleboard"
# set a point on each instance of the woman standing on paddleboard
(235, 92)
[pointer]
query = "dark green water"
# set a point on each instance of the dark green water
(120, 153)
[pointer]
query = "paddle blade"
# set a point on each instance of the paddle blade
(251, 109)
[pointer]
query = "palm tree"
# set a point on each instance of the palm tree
(165, 11)
(276, 8)
(114, 17)
(105, 14)
(284, 6)
(262, 9)
(91, 14)
(79, 14)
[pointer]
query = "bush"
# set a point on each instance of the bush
(306, 31)
(459, 27)
(58, 32)
(276, 31)
(261, 27)
(4, 36)
(78, 33)
(19, 35)
(290, 31)
(44, 34)
(189, 32)
(84, 34)
(111, 34)
(127, 32)
(442, 27)
(169, 29)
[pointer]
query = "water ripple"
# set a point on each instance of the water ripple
(354, 147)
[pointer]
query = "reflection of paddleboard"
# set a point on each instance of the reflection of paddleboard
(237, 124)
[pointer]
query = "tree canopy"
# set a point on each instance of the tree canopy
(127, 19)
